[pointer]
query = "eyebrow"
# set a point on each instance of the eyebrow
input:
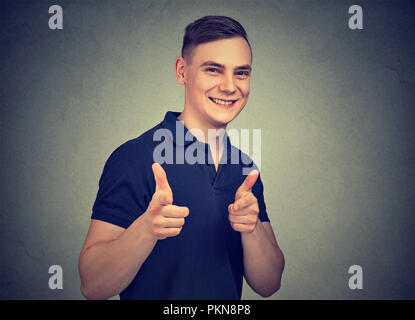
(215, 64)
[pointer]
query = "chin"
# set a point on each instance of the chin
(223, 116)
(222, 119)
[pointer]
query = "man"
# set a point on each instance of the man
(185, 229)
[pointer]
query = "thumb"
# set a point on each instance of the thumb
(161, 178)
(249, 182)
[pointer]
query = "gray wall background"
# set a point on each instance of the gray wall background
(335, 106)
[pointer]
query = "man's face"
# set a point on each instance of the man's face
(217, 80)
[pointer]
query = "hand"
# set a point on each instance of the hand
(243, 213)
(162, 217)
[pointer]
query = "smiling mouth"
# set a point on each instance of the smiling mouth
(221, 102)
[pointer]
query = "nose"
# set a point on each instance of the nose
(227, 84)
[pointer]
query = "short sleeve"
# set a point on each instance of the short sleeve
(258, 191)
(126, 185)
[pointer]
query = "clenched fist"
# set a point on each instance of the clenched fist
(164, 219)
(243, 213)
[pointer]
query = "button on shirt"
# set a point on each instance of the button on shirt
(205, 261)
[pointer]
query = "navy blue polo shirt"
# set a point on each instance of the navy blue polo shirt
(205, 261)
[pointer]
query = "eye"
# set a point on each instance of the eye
(242, 73)
(212, 70)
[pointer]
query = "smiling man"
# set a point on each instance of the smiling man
(183, 229)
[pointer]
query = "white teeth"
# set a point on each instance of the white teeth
(218, 101)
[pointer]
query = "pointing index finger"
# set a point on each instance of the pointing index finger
(249, 181)
(160, 177)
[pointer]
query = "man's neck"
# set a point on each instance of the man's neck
(205, 132)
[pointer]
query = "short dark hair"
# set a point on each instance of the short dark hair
(210, 28)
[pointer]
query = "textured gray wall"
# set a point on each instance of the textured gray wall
(336, 109)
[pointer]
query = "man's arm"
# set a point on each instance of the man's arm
(263, 259)
(112, 256)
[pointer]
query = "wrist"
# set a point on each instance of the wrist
(254, 233)
(142, 228)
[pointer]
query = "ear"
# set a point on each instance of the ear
(179, 66)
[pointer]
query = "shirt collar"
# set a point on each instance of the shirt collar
(180, 132)
(177, 129)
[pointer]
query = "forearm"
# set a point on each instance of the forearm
(107, 268)
(263, 261)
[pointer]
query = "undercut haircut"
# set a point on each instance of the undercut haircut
(210, 28)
